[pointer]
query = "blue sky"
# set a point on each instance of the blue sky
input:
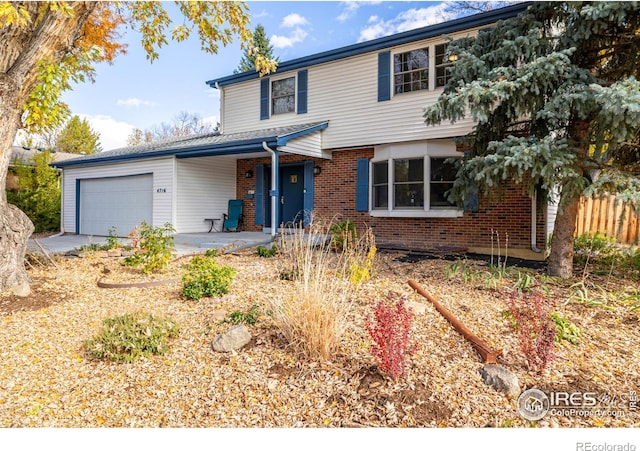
(135, 93)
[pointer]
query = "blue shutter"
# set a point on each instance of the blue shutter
(384, 76)
(362, 184)
(264, 99)
(308, 191)
(471, 200)
(259, 194)
(302, 91)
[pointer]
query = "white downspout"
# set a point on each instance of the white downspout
(274, 181)
(534, 203)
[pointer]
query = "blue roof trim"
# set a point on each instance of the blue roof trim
(452, 26)
(254, 145)
(282, 140)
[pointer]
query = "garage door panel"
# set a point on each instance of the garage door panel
(121, 202)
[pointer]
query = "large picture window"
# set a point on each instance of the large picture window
(408, 183)
(283, 96)
(411, 71)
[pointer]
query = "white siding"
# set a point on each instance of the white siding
(162, 170)
(345, 92)
(205, 186)
(309, 145)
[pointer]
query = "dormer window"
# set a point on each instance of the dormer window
(283, 98)
(411, 71)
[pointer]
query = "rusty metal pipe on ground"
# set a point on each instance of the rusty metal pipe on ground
(487, 354)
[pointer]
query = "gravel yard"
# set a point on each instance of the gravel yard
(48, 380)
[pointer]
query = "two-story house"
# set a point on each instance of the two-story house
(339, 133)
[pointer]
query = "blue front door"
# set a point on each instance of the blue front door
(291, 194)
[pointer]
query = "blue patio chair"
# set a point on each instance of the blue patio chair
(233, 219)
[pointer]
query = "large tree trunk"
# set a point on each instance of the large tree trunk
(49, 36)
(561, 256)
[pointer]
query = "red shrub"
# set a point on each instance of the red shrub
(536, 330)
(389, 329)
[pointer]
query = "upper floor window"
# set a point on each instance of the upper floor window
(411, 70)
(443, 63)
(283, 96)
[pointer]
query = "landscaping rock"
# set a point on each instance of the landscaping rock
(114, 252)
(231, 340)
(22, 291)
(501, 379)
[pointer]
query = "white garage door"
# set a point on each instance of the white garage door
(123, 202)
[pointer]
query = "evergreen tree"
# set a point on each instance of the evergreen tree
(38, 193)
(556, 98)
(264, 47)
(78, 137)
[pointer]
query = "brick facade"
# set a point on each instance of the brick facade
(507, 211)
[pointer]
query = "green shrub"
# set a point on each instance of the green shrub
(237, 317)
(112, 239)
(128, 337)
(343, 234)
(213, 252)
(156, 244)
(205, 277)
(565, 330)
(267, 252)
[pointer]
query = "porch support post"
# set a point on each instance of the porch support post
(274, 187)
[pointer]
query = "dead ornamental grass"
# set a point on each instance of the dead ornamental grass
(313, 314)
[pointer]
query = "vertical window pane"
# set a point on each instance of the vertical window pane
(408, 183)
(381, 185)
(442, 65)
(443, 174)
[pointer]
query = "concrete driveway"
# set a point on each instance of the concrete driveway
(185, 243)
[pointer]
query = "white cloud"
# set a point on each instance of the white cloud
(351, 7)
(113, 133)
(294, 20)
(296, 36)
(406, 20)
(135, 102)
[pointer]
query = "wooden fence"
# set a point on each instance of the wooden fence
(613, 219)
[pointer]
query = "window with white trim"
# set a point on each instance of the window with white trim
(283, 96)
(411, 71)
(410, 181)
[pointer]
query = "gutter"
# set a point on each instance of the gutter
(274, 187)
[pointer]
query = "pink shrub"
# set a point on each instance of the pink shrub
(389, 329)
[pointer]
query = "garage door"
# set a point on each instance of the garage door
(123, 202)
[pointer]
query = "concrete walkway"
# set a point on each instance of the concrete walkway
(185, 243)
